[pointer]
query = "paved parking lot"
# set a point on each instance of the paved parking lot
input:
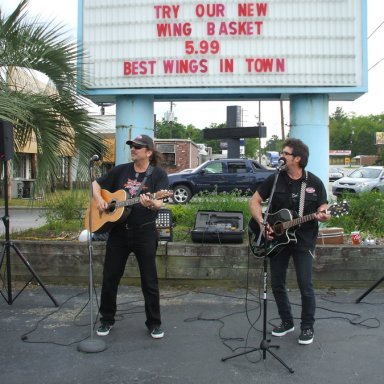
(202, 326)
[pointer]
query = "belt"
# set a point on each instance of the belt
(136, 227)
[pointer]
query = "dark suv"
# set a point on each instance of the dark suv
(221, 175)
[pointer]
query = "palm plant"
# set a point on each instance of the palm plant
(56, 115)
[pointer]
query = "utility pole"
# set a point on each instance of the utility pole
(260, 124)
(282, 120)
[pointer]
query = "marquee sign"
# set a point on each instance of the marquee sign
(227, 43)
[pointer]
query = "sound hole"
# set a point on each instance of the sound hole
(278, 229)
(112, 206)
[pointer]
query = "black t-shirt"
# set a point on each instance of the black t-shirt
(287, 195)
(123, 176)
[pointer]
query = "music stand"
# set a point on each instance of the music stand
(8, 244)
(369, 290)
(264, 344)
(91, 345)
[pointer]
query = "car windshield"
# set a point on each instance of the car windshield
(365, 173)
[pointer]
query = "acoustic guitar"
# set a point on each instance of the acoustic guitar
(116, 212)
(284, 224)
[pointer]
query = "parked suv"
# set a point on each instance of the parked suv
(221, 175)
(363, 179)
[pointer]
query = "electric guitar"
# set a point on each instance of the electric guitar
(116, 212)
(284, 223)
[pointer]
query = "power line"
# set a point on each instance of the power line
(374, 65)
(376, 29)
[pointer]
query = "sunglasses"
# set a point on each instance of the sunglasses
(137, 146)
(285, 153)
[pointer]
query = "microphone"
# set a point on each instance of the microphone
(94, 158)
(281, 163)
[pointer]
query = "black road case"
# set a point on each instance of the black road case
(218, 227)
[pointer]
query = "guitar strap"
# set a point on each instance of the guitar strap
(147, 174)
(302, 195)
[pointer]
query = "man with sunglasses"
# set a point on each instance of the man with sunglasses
(137, 234)
(294, 185)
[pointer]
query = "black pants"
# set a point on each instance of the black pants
(143, 243)
(303, 265)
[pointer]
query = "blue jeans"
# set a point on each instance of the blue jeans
(302, 260)
(143, 243)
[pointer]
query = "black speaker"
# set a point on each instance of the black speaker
(218, 227)
(6, 140)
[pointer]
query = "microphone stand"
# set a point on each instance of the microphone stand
(91, 345)
(264, 344)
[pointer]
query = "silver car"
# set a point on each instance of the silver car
(364, 179)
(335, 173)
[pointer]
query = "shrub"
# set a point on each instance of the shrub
(366, 214)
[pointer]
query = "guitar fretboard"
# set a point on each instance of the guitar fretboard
(298, 220)
(128, 202)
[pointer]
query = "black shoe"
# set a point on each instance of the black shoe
(306, 336)
(104, 329)
(157, 333)
(284, 328)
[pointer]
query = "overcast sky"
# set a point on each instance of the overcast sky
(202, 114)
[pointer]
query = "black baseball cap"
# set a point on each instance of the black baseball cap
(143, 140)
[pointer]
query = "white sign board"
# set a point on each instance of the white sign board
(228, 43)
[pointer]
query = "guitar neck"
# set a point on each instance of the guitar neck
(128, 202)
(299, 220)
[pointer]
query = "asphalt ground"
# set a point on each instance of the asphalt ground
(40, 342)
(21, 219)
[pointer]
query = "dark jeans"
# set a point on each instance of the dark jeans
(143, 243)
(303, 266)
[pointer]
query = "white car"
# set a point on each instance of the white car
(335, 173)
(364, 179)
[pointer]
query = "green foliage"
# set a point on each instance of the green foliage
(355, 133)
(273, 144)
(65, 212)
(63, 207)
(366, 214)
(54, 115)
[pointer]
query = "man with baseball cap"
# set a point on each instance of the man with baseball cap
(142, 140)
(136, 234)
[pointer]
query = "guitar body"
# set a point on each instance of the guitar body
(116, 211)
(282, 236)
(104, 221)
(284, 224)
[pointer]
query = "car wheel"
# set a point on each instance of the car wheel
(181, 194)
(376, 190)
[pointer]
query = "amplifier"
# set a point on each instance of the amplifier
(164, 224)
(218, 227)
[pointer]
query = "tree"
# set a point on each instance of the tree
(273, 144)
(56, 116)
(355, 133)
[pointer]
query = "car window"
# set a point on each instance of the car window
(366, 173)
(237, 167)
(371, 173)
(214, 167)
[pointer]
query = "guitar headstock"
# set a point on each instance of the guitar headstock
(162, 194)
(339, 209)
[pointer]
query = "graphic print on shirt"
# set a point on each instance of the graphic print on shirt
(132, 186)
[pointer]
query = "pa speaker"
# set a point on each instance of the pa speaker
(6, 140)
(218, 227)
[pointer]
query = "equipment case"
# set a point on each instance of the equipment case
(218, 227)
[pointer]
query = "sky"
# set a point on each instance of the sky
(202, 114)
